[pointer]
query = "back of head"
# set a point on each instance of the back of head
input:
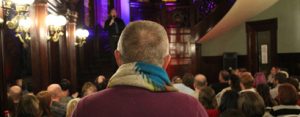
(280, 77)
(287, 94)
(55, 91)
(15, 93)
(176, 79)
(188, 80)
(71, 106)
(88, 88)
(229, 100)
(207, 98)
(264, 91)
(232, 113)
(65, 84)
(44, 102)
(143, 41)
(28, 107)
(223, 76)
(200, 81)
(260, 78)
(251, 103)
(235, 82)
(247, 80)
(294, 82)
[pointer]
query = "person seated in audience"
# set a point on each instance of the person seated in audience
(12, 108)
(259, 78)
(208, 100)
(239, 71)
(188, 80)
(15, 93)
(28, 107)
(229, 100)
(294, 82)
(223, 81)
(177, 83)
(100, 82)
(66, 90)
(279, 79)
(234, 85)
(199, 82)
(57, 108)
(284, 71)
(271, 77)
(45, 102)
(88, 88)
(71, 106)
(264, 91)
(232, 113)
(251, 104)
(287, 98)
(141, 87)
(246, 82)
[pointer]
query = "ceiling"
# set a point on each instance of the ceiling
(239, 13)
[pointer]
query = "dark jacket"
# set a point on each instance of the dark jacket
(128, 101)
(112, 29)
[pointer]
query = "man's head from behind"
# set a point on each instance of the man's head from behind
(15, 93)
(280, 78)
(55, 91)
(200, 82)
(247, 80)
(143, 41)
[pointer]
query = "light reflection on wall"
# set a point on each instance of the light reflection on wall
(125, 12)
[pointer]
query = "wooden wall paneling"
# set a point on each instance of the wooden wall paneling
(211, 66)
(290, 61)
(54, 61)
(63, 58)
(39, 48)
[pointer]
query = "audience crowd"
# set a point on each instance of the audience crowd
(237, 94)
(140, 89)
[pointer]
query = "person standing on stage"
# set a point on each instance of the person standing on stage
(114, 26)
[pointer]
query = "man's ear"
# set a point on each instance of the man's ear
(166, 62)
(118, 57)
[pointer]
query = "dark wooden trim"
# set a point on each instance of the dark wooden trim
(252, 52)
(71, 53)
(3, 84)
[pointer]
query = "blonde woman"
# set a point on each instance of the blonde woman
(71, 106)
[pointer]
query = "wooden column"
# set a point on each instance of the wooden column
(3, 88)
(71, 49)
(39, 49)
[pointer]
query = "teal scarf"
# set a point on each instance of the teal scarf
(142, 75)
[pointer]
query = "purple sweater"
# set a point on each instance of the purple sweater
(127, 101)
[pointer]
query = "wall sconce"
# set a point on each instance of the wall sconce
(16, 12)
(55, 25)
(81, 35)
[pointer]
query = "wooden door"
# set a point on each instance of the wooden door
(261, 44)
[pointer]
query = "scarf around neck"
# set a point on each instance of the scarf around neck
(143, 75)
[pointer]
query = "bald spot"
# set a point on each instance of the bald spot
(55, 90)
(200, 81)
(15, 93)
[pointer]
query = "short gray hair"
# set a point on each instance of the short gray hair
(144, 41)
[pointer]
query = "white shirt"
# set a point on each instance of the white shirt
(184, 89)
